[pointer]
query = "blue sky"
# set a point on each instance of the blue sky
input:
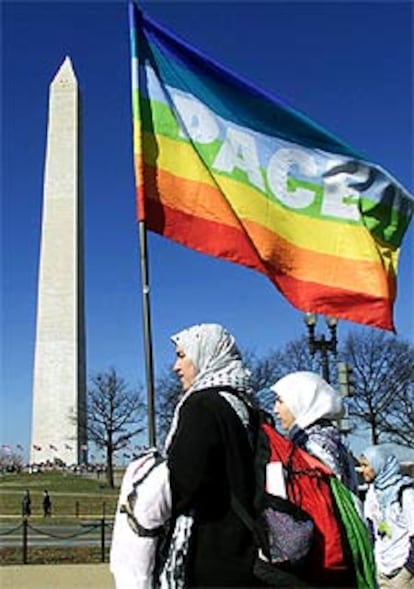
(346, 65)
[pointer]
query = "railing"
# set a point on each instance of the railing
(78, 510)
(87, 528)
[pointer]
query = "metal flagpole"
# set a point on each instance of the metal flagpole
(149, 366)
(134, 19)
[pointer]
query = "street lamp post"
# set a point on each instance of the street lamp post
(321, 344)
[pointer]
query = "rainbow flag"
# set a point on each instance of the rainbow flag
(228, 170)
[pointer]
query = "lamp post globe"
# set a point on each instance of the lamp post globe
(321, 344)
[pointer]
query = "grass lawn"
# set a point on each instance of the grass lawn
(52, 555)
(72, 495)
(74, 498)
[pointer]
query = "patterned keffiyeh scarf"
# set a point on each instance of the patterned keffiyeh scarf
(323, 440)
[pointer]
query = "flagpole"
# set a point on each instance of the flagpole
(149, 365)
(134, 13)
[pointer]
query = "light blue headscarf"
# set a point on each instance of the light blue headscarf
(388, 477)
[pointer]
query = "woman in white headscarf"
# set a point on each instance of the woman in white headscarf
(306, 406)
(209, 460)
(389, 507)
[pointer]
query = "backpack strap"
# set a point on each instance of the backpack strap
(258, 532)
(128, 507)
(157, 460)
(136, 526)
(401, 492)
(238, 507)
(242, 513)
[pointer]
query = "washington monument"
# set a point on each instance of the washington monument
(59, 381)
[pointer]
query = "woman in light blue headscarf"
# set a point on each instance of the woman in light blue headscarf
(389, 508)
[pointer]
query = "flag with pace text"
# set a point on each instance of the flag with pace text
(228, 170)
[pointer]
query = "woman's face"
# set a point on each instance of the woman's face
(284, 414)
(184, 369)
(368, 473)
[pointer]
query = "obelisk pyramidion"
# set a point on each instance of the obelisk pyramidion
(59, 382)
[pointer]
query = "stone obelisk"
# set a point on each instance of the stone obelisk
(59, 381)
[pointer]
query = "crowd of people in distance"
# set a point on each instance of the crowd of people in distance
(78, 469)
(178, 524)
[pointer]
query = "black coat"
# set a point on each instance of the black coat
(209, 458)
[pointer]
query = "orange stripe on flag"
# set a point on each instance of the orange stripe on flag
(262, 247)
(228, 242)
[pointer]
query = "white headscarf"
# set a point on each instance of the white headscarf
(309, 397)
(217, 359)
(214, 353)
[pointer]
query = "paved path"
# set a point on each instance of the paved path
(60, 576)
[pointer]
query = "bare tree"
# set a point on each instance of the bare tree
(115, 414)
(383, 372)
(398, 426)
(168, 391)
(10, 461)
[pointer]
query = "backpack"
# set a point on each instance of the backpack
(143, 467)
(309, 513)
(144, 506)
(282, 531)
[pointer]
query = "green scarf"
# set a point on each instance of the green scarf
(357, 535)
